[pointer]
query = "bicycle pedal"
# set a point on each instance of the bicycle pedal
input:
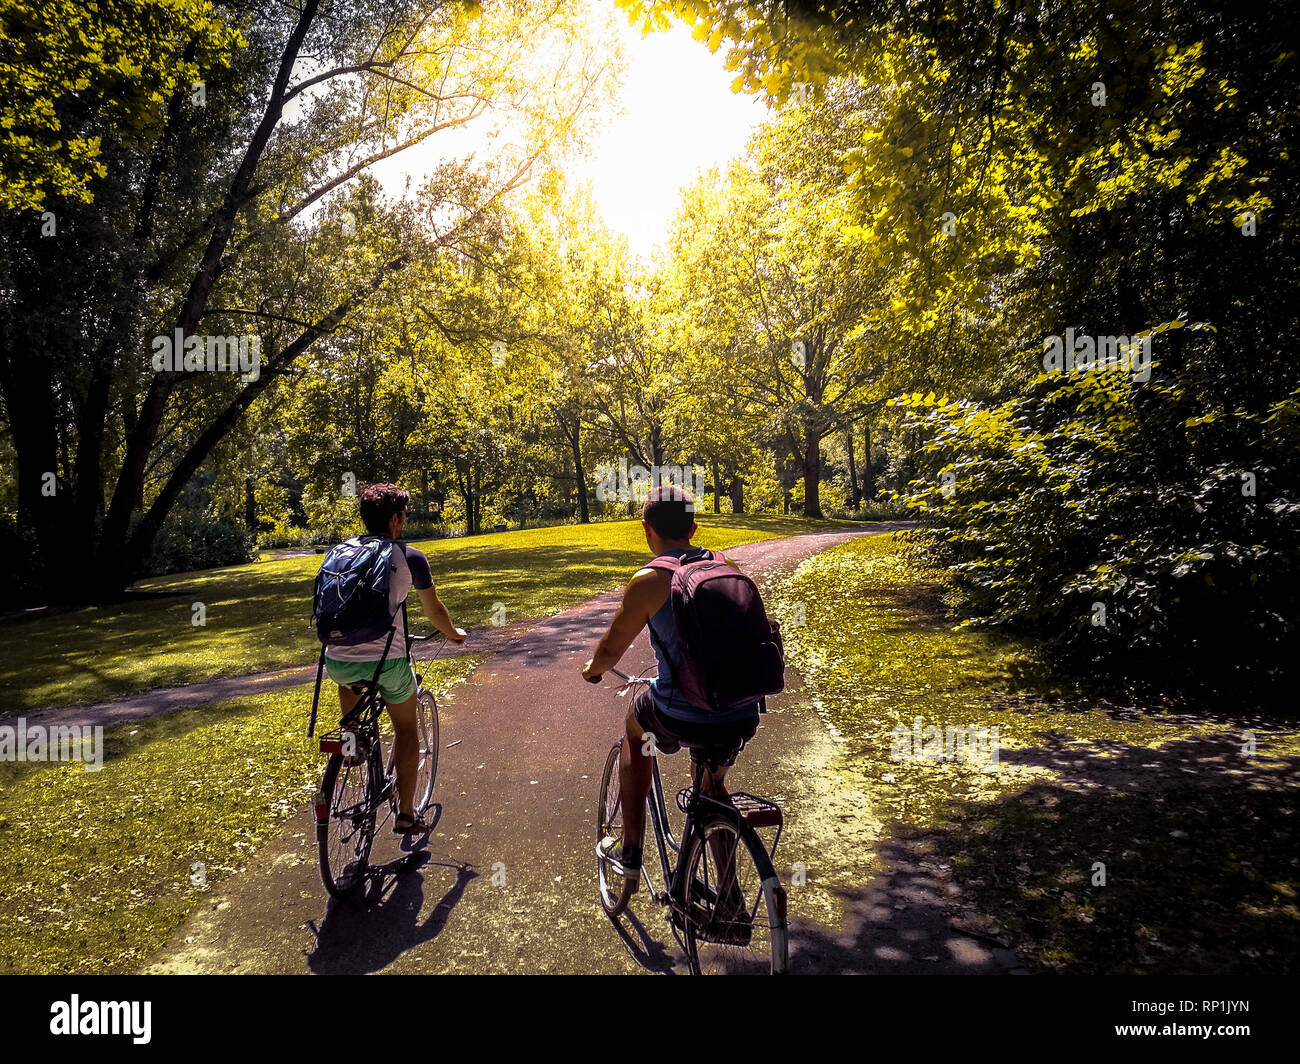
(632, 881)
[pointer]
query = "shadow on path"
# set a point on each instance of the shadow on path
(1136, 860)
(369, 933)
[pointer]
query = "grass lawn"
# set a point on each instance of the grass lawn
(258, 615)
(1197, 833)
(98, 865)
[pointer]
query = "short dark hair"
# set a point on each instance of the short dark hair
(666, 511)
(378, 503)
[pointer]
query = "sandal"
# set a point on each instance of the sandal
(415, 825)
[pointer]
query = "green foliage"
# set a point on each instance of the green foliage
(188, 542)
(1138, 524)
(128, 56)
(331, 518)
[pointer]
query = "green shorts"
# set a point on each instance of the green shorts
(396, 681)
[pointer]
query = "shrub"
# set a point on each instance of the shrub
(331, 518)
(876, 510)
(189, 541)
(1131, 525)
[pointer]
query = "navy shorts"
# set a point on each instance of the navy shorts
(718, 743)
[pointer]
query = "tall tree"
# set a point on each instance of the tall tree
(315, 100)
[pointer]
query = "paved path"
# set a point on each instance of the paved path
(167, 699)
(518, 793)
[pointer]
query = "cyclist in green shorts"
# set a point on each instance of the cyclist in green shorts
(383, 512)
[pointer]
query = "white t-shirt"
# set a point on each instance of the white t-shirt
(410, 568)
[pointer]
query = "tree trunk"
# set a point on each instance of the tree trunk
(737, 495)
(868, 485)
(121, 548)
(575, 438)
(717, 490)
(854, 500)
(812, 472)
(250, 504)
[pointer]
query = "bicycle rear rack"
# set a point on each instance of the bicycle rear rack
(758, 812)
(332, 742)
(336, 742)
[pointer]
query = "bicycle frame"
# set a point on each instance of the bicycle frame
(364, 718)
(663, 833)
(664, 840)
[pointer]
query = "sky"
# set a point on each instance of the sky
(679, 117)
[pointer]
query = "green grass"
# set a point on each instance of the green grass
(1200, 840)
(258, 614)
(98, 865)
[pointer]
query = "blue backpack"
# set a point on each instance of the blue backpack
(350, 602)
(350, 599)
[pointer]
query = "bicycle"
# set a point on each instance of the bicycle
(358, 782)
(748, 933)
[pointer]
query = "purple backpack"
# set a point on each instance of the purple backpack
(731, 652)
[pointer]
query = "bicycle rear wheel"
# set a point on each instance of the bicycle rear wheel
(615, 891)
(736, 920)
(345, 823)
(430, 744)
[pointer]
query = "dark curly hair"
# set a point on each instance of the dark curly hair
(378, 503)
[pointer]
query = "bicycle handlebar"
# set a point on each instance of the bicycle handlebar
(622, 676)
(411, 637)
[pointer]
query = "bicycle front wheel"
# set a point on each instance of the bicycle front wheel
(345, 823)
(615, 891)
(430, 743)
(735, 922)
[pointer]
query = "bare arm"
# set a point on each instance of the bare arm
(438, 615)
(646, 593)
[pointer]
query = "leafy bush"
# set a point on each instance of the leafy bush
(331, 518)
(876, 510)
(1132, 525)
(189, 541)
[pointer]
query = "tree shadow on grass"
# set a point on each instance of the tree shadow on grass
(1199, 846)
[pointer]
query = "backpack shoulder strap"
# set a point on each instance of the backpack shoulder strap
(315, 698)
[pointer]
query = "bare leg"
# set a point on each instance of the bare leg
(406, 753)
(348, 700)
(634, 782)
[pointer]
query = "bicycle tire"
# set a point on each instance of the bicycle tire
(430, 744)
(766, 951)
(615, 891)
(347, 826)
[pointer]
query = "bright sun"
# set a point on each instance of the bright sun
(680, 117)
